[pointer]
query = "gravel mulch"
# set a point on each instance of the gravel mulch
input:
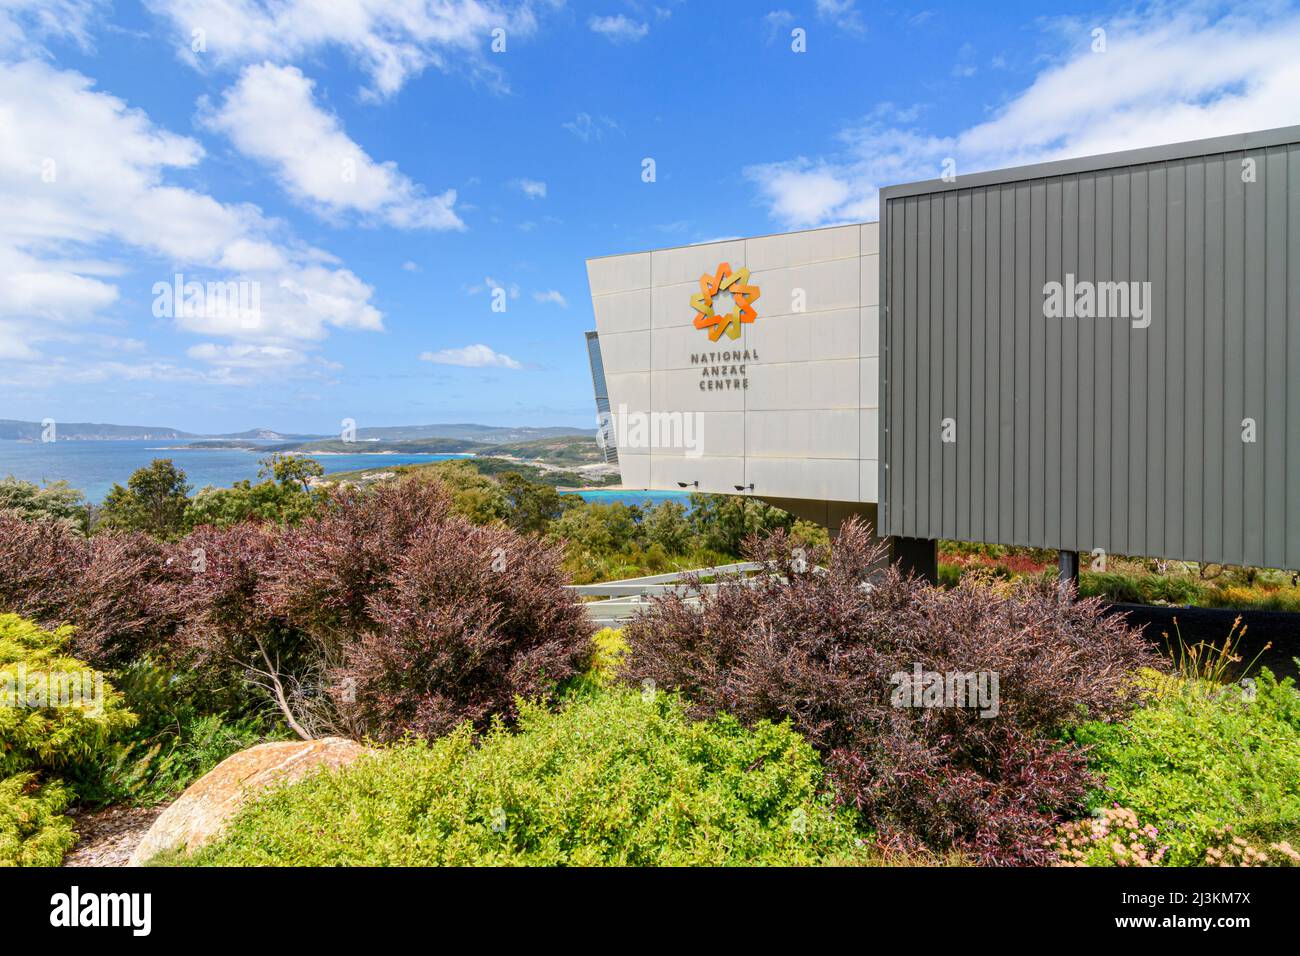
(108, 836)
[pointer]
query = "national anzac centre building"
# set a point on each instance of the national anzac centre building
(1098, 355)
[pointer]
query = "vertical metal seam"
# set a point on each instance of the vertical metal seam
(1245, 283)
(1286, 352)
(1164, 458)
(1205, 326)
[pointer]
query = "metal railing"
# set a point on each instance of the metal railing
(622, 599)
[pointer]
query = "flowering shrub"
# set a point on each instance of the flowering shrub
(830, 654)
(1228, 849)
(1112, 837)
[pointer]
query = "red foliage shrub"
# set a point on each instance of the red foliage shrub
(220, 599)
(124, 603)
(828, 653)
(39, 565)
(999, 806)
(116, 589)
(326, 569)
(469, 619)
(417, 619)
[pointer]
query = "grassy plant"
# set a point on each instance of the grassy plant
(1211, 663)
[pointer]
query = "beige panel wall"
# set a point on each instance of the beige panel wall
(804, 423)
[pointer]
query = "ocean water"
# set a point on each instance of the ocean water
(94, 466)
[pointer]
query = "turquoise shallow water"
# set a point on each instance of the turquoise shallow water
(645, 498)
(93, 466)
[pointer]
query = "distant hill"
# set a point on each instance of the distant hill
(554, 450)
(267, 434)
(390, 435)
(87, 431)
(424, 446)
(492, 434)
(562, 450)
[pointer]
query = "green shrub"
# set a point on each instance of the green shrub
(1173, 589)
(148, 769)
(57, 500)
(605, 663)
(186, 726)
(1200, 757)
(54, 713)
(612, 778)
(1113, 586)
(600, 528)
(36, 732)
(33, 829)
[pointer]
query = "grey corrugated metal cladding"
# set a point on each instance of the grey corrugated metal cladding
(1099, 353)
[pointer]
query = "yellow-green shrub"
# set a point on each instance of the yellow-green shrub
(608, 658)
(55, 712)
(33, 829)
(616, 777)
(38, 734)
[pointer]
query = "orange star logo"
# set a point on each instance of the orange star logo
(742, 293)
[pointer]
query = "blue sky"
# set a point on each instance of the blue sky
(377, 168)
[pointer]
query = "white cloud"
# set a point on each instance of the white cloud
(843, 14)
(619, 28)
(391, 41)
(471, 356)
(64, 371)
(83, 186)
(586, 127)
(777, 22)
(1163, 79)
(271, 115)
(247, 356)
(532, 188)
(25, 25)
(551, 295)
(490, 284)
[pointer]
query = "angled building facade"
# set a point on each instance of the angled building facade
(1095, 355)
